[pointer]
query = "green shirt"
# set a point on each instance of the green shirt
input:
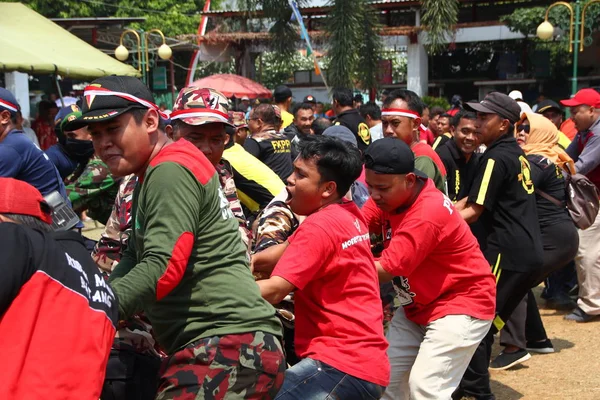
(186, 265)
(428, 167)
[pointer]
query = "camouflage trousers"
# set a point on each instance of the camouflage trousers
(244, 366)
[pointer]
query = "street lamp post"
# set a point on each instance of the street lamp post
(164, 51)
(576, 32)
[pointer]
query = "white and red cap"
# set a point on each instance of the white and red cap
(8, 101)
(110, 96)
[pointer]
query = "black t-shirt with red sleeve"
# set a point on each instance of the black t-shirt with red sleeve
(338, 310)
(438, 267)
(504, 186)
(57, 316)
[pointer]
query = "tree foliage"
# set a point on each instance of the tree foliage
(439, 17)
(172, 17)
(354, 46)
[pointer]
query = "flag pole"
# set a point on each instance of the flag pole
(304, 35)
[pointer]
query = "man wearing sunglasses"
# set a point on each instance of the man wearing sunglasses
(502, 198)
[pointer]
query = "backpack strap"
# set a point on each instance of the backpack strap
(551, 199)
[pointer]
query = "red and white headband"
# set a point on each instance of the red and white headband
(389, 112)
(10, 106)
(201, 113)
(99, 91)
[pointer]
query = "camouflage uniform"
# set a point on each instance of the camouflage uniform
(276, 223)
(134, 334)
(113, 241)
(94, 190)
(245, 366)
(227, 183)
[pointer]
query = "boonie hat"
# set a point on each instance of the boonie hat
(238, 119)
(589, 97)
(341, 132)
(8, 101)
(391, 156)
(110, 96)
(19, 197)
(547, 105)
(497, 103)
(200, 106)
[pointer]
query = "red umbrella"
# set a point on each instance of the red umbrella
(233, 85)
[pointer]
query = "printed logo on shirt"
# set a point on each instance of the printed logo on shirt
(525, 175)
(355, 240)
(281, 146)
(364, 133)
(387, 231)
(98, 291)
(402, 288)
(226, 212)
(357, 224)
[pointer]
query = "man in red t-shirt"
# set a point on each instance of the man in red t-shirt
(401, 119)
(443, 282)
(328, 261)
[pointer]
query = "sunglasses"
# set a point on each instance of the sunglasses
(524, 128)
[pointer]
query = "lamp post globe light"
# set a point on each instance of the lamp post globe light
(545, 31)
(143, 57)
(165, 52)
(121, 53)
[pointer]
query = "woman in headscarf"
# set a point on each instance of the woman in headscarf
(538, 137)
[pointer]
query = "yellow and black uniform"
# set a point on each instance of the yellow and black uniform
(460, 173)
(504, 186)
(274, 149)
(352, 120)
(441, 140)
(256, 183)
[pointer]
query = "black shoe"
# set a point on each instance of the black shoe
(544, 347)
(578, 315)
(561, 302)
(509, 360)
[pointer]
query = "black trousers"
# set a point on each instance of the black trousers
(130, 376)
(511, 287)
(560, 242)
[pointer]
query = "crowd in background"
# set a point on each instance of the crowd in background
(267, 248)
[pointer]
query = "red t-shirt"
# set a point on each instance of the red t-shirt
(438, 267)
(426, 136)
(338, 311)
(422, 149)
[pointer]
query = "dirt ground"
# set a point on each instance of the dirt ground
(571, 372)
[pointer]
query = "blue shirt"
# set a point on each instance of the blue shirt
(63, 163)
(21, 159)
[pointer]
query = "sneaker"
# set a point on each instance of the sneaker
(509, 360)
(544, 347)
(578, 315)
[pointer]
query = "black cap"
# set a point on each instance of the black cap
(546, 105)
(309, 99)
(497, 103)
(391, 156)
(104, 108)
(281, 93)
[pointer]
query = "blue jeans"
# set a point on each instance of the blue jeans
(314, 380)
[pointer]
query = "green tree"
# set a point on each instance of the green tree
(172, 17)
(439, 17)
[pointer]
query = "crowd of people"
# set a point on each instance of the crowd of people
(277, 251)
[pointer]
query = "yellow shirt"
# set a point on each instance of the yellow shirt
(287, 118)
(563, 140)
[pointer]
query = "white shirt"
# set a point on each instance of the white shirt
(376, 132)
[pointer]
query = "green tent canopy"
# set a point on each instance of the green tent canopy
(33, 44)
